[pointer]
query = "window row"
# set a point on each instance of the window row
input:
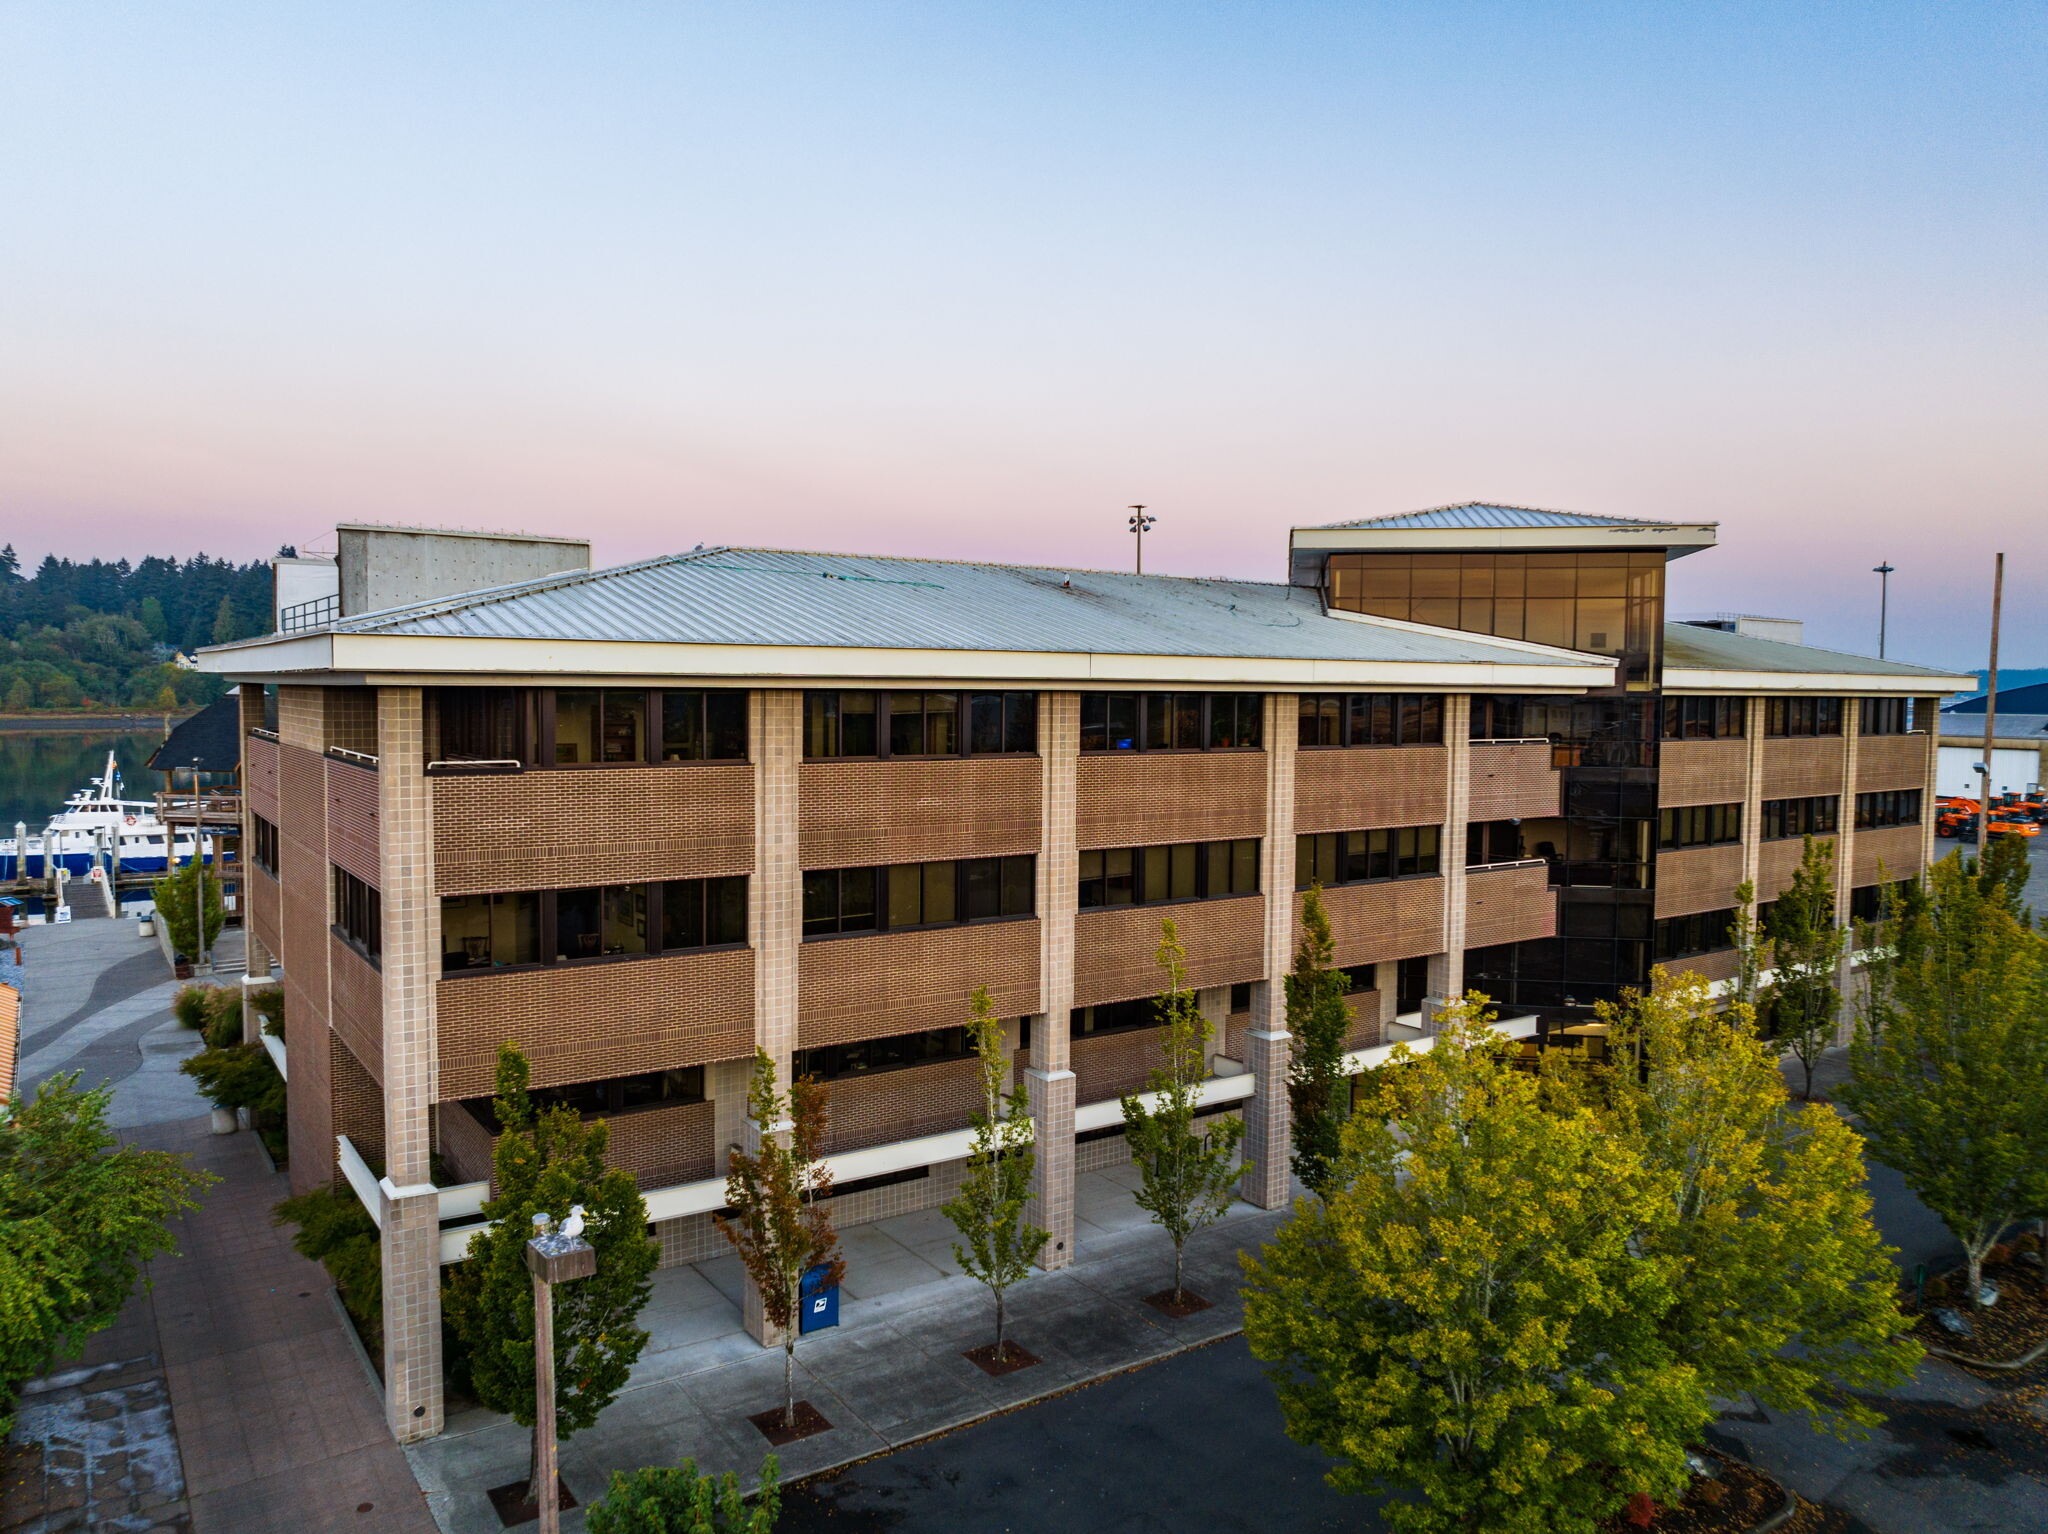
(901, 895)
(264, 848)
(1802, 716)
(599, 922)
(1699, 825)
(1681, 937)
(1600, 601)
(590, 726)
(1888, 807)
(1362, 857)
(358, 915)
(879, 724)
(1171, 721)
(1705, 718)
(1372, 719)
(836, 1062)
(1886, 716)
(1183, 871)
(1787, 818)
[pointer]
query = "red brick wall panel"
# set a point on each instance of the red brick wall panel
(265, 900)
(1698, 879)
(358, 1102)
(465, 1144)
(1513, 780)
(876, 986)
(1799, 769)
(564, 829)
(664, 1146)
(901, 1104)
(1116, 1063)
(1896, 852)
(1509, 905)
(1776, 863)
(302, 954)
(1152, 798)
(353, 833)
(589, 1022)
(1890, 761)
(259, 775)
(1702, 771)
(1373, 923)
(358, 1001)
(1116, 951)
(1362, 788)
(1712, 966)
(859, 814)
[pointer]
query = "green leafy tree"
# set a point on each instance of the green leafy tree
(1467, 1318)
(238, 1076)
(82, 1214)
(677, 1499)
(546, 1160)
(997, 1244)
(1318, 1020)
(1752, 948)
(2002, 874)
(152, 618)
(777, 1195)
(1784, 1288)
(1185, 1177)
(20, 696)
(174, 897)
(226, 629)
(1807, 946)
(1954, 1092)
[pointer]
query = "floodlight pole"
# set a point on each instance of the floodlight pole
(198, 875)
(1990, 711)
(1883, 573)
(1138, 523)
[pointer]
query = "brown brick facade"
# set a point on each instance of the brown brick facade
(259, 776)
(663, 1146)
(1883, 856)
(606, 825)
(1702, 771)
(1509, 905)
(901, 1104)
(1513, 780)
(1890, 761)
(1711, 966)
(872, 987)
(860, 814)
(302, 947)
(356, 992)
(1114, 1063)
(465, 1144)
(1698, 879)
(1798, 769)
(586, 1022)
(358, 1102)
(1775, 864)
(1363, 788)
(1372, 923)
(1150, 798)
(263, 901)
(353, 836)
(1116, 952)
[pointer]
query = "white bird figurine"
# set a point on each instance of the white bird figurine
(543, 1224)
(573, 1226)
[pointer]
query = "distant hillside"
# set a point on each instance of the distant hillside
(2013, 676)
(83, 637)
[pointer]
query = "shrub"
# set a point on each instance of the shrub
(335, 1231)
(679, 1500)
(190, 1007)
(269, 1005)
(238, 1076)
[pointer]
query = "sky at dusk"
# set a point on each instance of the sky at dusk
(965, 279)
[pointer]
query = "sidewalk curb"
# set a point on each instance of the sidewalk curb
(2032, 1355)
(1783, 1515)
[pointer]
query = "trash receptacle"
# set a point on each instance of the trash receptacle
(819, 1301)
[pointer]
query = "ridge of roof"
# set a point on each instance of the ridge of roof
(1569, 518)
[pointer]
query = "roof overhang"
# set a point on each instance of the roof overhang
(1831, 683)
(1675, 538)
(412, 660)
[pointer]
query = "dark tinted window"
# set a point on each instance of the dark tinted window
(1180, 871)
(1371, 719)
(1699, 825)
(1363, 857)
(1171, 721)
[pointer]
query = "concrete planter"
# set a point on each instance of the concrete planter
(221, 1121)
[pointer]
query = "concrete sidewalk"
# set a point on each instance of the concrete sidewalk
(891, 1373)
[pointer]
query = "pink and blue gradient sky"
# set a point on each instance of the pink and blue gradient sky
(964, 279)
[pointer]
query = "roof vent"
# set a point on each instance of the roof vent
(1752, 626)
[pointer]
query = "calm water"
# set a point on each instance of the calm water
(40, 769)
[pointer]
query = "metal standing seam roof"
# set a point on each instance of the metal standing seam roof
(1470, 514)
(1956, 726)
(742, 596)
(1687, 647)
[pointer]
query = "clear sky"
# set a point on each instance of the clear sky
(965, 279)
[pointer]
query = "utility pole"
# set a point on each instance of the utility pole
(1139, 522)
(1883, 573)
(198, 873)
(1990, 711)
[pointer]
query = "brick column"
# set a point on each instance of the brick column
(1848, 976)
(411, 1245)
(1927, 716)
(256, 965)
(1268, 1046)
(1049, 1081)
(774, 904)
(1447, 969)
(1753, 793)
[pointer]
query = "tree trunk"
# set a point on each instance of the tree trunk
(1176, 1272)
(999, 1326)
(1974, 1256)
(789, 1379)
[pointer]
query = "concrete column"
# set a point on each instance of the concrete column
(1269, 1047)
(1929, 719)
(1213, 1002)
(1049, 1081)
(411, 1255)
(774, 906)
(1753, 793)
(1447, 969)
(1845, 820)
(256, 967)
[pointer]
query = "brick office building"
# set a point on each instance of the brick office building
(642, 820)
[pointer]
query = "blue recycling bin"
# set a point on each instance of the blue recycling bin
(818, 1302)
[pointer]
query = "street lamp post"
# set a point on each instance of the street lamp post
(198, 875)
(553, 1256)
(1883, 573)
(1138, 523)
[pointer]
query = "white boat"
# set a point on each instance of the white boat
(97, 822)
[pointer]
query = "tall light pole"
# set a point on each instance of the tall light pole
(553, 1256)
(198, 874)
(1139, 522)
(1990, 711)
(1883, 573)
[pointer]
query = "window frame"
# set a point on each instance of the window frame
(804, 1062)
(1704, 718)
(1342, 855)
(1142, 859)
(654, 892)
(358, 914)
(1352, 715)
(1663, 927)
(1778, 811)
(1017, 709)
(1682, 827)
(1788, 717)
(264, 850)
(1020, 866)
(1884, 809)
(1247, 710)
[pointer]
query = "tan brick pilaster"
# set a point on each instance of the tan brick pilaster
(411, 1257)
(774, 904)
(1049, 1080)
(1447, 969)
(256, 964)
(1266, 1181)
(1753, 794)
